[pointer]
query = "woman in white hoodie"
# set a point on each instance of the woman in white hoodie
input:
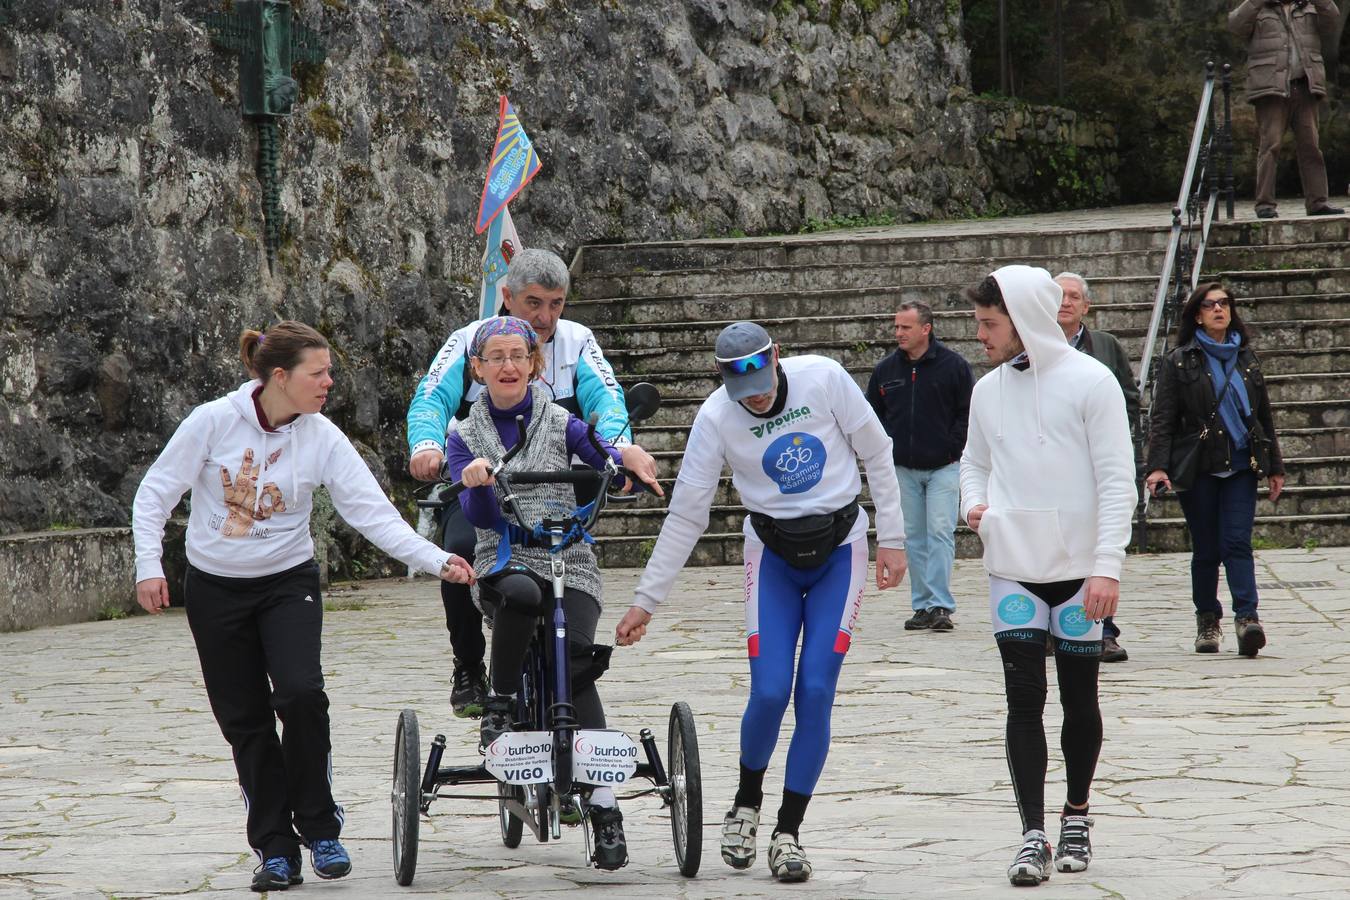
(252, 460)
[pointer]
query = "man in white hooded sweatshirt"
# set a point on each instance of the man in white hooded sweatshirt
(1047, 481)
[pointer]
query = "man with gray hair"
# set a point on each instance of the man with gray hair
(1106, 349)
(581, 381)
(921, 394)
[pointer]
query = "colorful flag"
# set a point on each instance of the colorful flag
(513, 164)
(502, 244)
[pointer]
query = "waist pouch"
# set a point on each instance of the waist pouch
(806, 542)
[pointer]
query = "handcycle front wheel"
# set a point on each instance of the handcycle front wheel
(512, 827)
(405, 796)
(686, 790)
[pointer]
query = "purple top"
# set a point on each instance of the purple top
(480, 503)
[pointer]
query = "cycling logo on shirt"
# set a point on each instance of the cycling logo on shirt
(1016, 609)
(1073, 621)
(795, 461)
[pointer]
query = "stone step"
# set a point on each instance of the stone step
(1163, 535)
(861, 296)
(1300, 470)
(1302, 386)
(1274, 322)
(1297, 498)
(942, 271)
(1276, 358)
(879, 245)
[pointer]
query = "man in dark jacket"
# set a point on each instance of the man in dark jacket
(1107, 350)
(921, 393)
(1286, 82)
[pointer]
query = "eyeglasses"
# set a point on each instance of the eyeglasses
(751, 362)
(496, 362)
(1224, 302)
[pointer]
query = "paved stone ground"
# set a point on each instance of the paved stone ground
(1221, 777)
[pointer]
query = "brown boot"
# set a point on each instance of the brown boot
(1208, 635)
(1251, 636)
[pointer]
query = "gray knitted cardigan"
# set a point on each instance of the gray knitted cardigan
(545, 450)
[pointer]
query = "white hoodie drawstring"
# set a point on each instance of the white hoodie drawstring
(1036, 384)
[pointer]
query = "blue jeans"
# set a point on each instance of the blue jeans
(929, 500)
(1219, 513)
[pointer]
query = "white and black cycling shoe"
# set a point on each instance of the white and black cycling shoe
(1075, 844)
(787, 859)
(1032, 865)
(738, 836)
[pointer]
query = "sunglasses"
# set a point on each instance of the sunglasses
(751, 362)
(1224, 302)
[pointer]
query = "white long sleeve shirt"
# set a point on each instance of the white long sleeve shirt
(253, 492)
(801, 462)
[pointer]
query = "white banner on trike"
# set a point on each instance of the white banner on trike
(603, 757)
(521, 757)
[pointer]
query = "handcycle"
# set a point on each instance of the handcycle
(538, 769)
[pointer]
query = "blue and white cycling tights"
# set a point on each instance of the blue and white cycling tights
(782, 603)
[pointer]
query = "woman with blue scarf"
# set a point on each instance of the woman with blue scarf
(1212, 438)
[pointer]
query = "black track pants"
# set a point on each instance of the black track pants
(462, 618)
(250, 631)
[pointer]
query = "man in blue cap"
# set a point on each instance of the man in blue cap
(792, 431)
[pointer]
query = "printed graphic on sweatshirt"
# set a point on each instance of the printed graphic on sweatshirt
(245, 502)
(795, 461)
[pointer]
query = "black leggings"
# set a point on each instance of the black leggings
(508, 598)
(1080, 738)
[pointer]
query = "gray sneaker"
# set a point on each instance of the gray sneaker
(1032, 865)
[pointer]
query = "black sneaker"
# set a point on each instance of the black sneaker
(277, 874)
(1208, 634)
(941, 619)
(1326, 211)
(611, 850)
(468, 690)
(1112, 651)
(1266, 212)
(920, 621)
(497, 713)
(1251, 636)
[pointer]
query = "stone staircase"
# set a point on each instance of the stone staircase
(657, 309)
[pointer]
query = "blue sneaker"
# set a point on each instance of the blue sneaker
(329, 858)
(277, 874)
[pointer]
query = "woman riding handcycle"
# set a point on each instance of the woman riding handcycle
(535, 569)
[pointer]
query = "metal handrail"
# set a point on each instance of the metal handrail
(1207, 176)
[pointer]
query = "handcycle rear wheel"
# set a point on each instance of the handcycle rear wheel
(512, 827)
(686, 790)
(405, 796)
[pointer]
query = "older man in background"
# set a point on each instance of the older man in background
(1106, 349)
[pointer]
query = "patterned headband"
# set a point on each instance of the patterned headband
(502, 325)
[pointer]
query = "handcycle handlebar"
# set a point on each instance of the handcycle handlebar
(450, 494)
(561, 476)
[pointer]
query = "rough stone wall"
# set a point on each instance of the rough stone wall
(130, 223)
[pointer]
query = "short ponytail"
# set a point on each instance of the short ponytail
(279, 347)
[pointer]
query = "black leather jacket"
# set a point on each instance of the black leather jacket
(1183, 414)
